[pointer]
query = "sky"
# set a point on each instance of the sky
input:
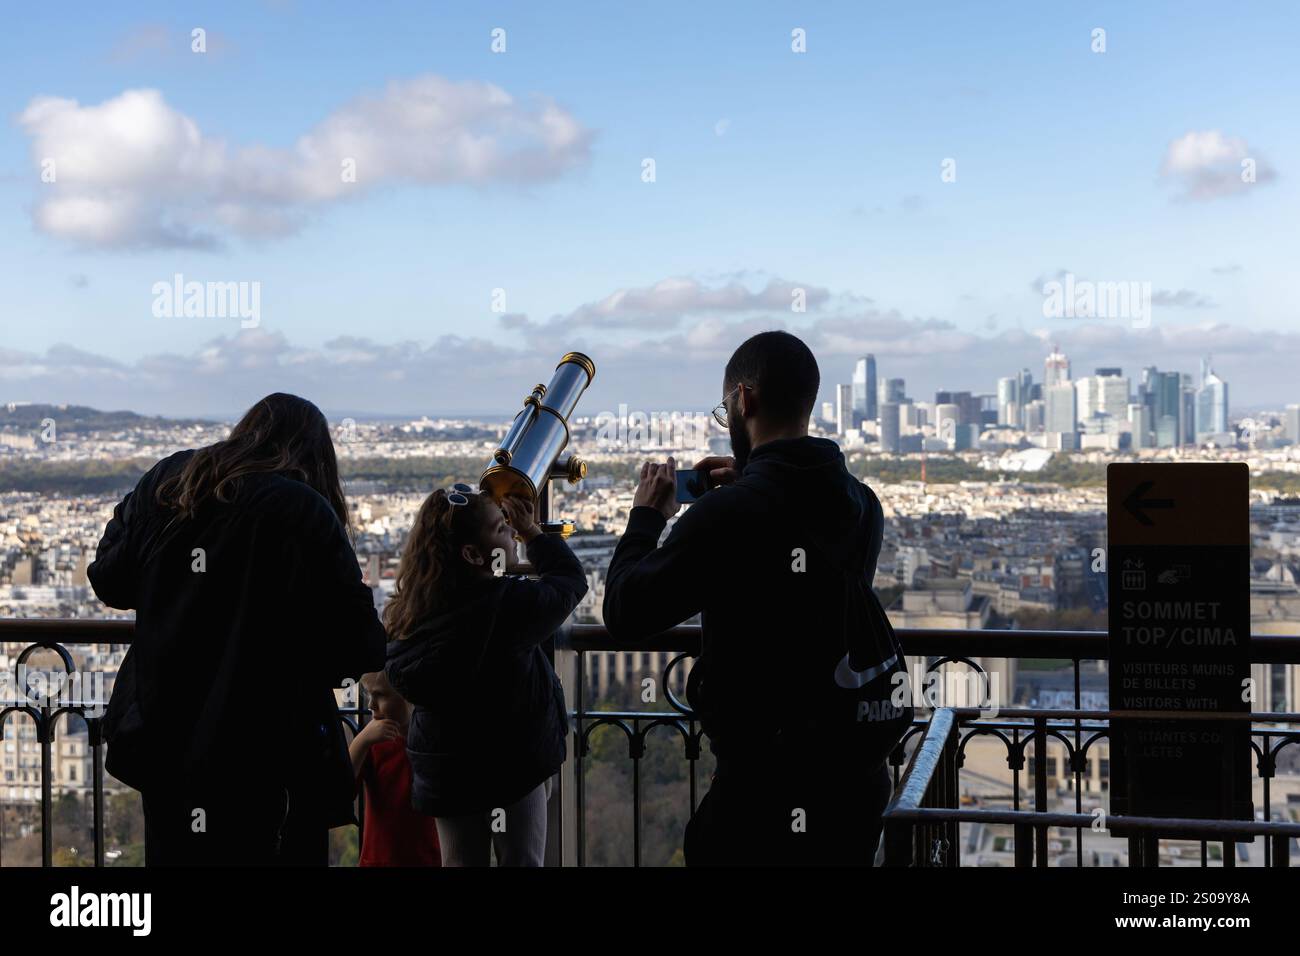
(429, 203)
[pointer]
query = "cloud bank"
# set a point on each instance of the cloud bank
(134, 172)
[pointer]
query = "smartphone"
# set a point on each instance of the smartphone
(690, 485)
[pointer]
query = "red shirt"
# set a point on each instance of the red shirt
(394, 833)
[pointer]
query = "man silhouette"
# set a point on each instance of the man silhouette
(797, 681)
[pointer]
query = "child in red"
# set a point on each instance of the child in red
(394, 834)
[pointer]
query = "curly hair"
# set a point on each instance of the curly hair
(431, 564)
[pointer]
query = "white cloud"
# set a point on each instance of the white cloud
(1207, 165)
(670, 299)
(679, 370)
(646, 364)
(135, 172)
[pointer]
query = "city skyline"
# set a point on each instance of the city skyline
(446, 209)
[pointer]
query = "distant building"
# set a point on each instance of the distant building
(1009, 401)
(890, 430)
(893, 390)
(1035, 412)
(1060, 419)
(1056, 369)
(948, 603)
(1211, 405)
(946, 419)
(864, 391)
(1139, 425)
(844, 412)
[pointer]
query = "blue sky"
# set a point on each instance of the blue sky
(774, 169)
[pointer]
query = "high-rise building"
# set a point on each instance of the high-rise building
(1293, 424)
(1009, 401)
(1103, 396)
(844, 412)
(889, 427)
(1139, 423)
(1061, 414)
(864, 389)
(1035, 412)
(828, 412)
(1056, 370)
(1211, 404)
(1162, 395)
(971, 405)
(946, 419)
(893, 390)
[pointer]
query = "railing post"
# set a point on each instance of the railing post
(1281, 850)
(96, 737)
(45, 730)
(1151, 851)
(1024, 839)
(562, 811)
(948, 771)
(1040, 787)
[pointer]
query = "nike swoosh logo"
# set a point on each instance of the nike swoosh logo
(849, 679)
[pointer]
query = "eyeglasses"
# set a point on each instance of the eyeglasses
(459, 494)
(720, 413)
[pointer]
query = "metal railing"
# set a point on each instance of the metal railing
(921, 823)
(923, 807)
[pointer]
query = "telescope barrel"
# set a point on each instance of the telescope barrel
(523, 462)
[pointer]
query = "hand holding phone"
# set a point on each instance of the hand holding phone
(690, 484)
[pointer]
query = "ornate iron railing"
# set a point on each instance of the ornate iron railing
(924, 797)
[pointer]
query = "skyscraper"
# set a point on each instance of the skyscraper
(1211, 404)
(1061, 415)
(1139, 425)
(864, 390)
(1056, 371)
(889, 426)
(1162, 395)
(1009, 401)
(1105, 394)
(893, 390)
(946, 419)
(844, 413)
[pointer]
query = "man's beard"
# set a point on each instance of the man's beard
(740, 444)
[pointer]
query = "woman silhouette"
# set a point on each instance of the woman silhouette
(250, 609)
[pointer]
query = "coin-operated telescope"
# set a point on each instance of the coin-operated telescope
(531, 455)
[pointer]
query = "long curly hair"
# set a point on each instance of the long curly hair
(282, 433)
(431, 567)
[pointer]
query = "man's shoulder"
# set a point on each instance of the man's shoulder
(722, 507)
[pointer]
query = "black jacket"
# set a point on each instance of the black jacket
(489, 721)
(780, 565)
(228, 682)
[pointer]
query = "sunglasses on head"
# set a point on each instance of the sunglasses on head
(459, 494)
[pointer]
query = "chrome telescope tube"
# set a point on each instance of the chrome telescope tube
(529, 454)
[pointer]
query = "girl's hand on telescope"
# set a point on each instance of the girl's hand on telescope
(519, 515)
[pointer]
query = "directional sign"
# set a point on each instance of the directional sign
(1178, 561)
